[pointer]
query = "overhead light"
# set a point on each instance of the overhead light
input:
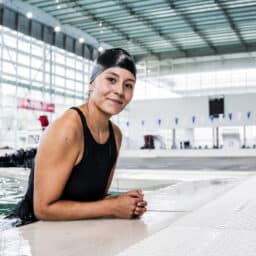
(57, 1)
(81, 40)
(29, 15)
(58, 6)
(100, 49)
(57, 29)
(100, 23)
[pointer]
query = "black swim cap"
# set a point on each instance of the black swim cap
(115, 57)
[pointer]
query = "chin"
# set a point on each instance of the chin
(112, 111)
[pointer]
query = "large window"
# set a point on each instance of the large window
(34, 70)
(188, 82)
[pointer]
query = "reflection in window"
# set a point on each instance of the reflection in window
(9, 54)
(37, 50)
(9, 68)
(59, 57)
(70, 73)
(59, 89)
(47, 78)
(71, 61)
(10, 41)
(36, 75)
(37, 84)
(60, 70)
(22, 92)
(23, 72)
(37, 63)
(79, 65)
(8, 89)
(36, 95)
(79, 76)
(60, 81)
(24, 59)
(79, 87)
(58, 99)
(70, 84)
(24, 46)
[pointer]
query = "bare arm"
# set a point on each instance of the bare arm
(58, 152)
(141, 204)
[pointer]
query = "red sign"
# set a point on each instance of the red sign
(35, 105)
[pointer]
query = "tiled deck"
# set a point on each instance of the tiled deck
(200, 213)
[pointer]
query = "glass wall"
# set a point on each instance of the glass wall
(233, 81)
(31, 69)
(34, 70)
(215, 81)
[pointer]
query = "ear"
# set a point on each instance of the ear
(91, 87)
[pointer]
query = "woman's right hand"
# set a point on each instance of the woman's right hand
(125, 204)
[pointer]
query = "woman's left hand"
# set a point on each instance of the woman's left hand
(141, 205)
(140, 208)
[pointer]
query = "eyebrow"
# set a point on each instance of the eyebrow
(115, 74)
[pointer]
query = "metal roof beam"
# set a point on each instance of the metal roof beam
(60, 14)
(231, 23)
(35, 2)
(88, 13)
(202, 52)
(43, 4)
(53, 11)
(151, 26)
(188, 21)
(75, 21)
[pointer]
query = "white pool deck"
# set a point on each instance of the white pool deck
(224, 152)
(189, 213)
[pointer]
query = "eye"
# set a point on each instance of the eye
(130, 86)
(112, 80)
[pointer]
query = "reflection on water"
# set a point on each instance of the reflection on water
(11, 191)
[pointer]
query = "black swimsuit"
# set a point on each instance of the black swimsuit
(88, 179)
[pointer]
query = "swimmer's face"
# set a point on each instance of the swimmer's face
(112, 90)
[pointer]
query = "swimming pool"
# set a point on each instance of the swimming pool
(11, 191)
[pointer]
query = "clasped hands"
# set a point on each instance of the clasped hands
(130, 204)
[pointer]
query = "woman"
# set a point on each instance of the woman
(76, 158)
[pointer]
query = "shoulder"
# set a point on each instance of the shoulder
(118, 134)
(66, 128)
(61, 142)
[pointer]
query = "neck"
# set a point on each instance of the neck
(96, 119)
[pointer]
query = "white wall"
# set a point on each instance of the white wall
(184, 108)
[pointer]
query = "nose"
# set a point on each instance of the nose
(119, 89)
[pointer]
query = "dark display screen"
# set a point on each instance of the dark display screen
(216, 106)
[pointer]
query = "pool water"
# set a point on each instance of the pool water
(11, 191)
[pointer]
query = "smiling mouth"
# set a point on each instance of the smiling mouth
(117, 101)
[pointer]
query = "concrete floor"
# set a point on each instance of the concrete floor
(225, 225)
(189, 213)
(188, 163)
